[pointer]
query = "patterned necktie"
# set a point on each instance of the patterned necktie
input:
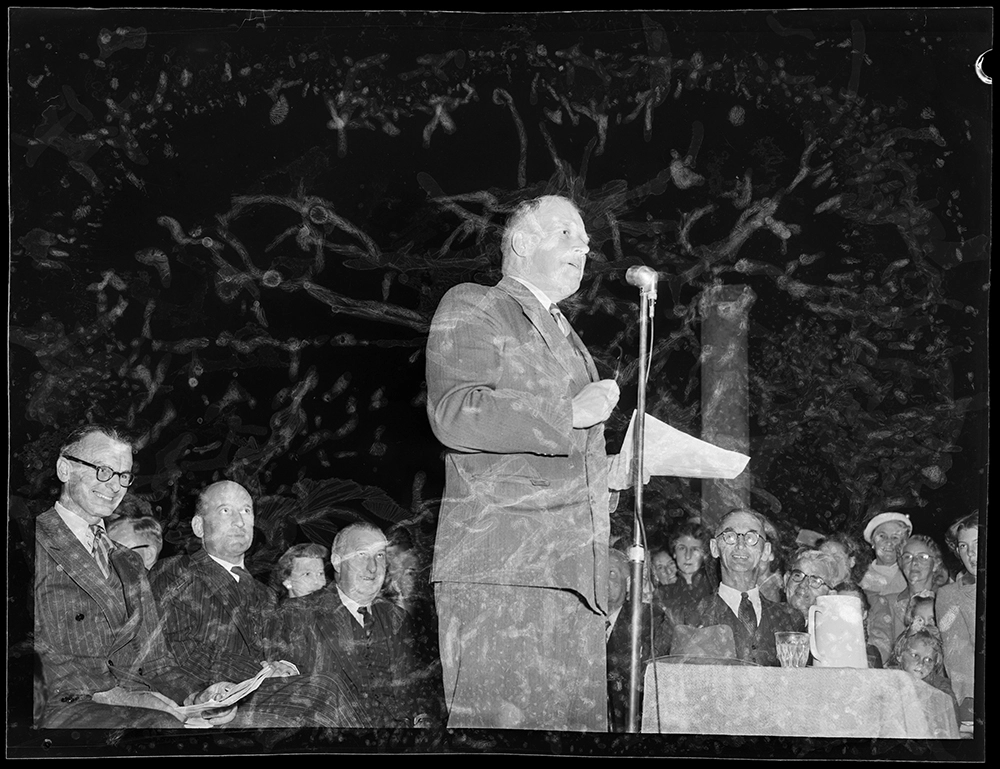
(101, 549)
(747, 615)
(368, 619)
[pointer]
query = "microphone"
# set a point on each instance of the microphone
(643, 277)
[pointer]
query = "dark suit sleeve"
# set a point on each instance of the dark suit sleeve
(472, 406)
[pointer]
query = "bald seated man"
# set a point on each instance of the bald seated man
(216, 617)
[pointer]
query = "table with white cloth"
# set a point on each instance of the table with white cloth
(793, 702)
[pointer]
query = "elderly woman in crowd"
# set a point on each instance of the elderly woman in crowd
(886, 533)
(956, 612)
(922, 566)
(695, 568)
(813, 573)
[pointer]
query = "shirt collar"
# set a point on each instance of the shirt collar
(79, 527)
(539, 294)
(227, 566)
(352, 606)
(732, 597)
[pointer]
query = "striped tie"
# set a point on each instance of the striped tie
(747, 615)
(101, 549)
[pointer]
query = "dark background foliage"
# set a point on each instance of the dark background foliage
(230, 232)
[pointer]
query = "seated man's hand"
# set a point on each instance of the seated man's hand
(217, 716)
(594, 403)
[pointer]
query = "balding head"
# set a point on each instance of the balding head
(223, 521)
(359, 561)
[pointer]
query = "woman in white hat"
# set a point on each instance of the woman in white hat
(886, 533)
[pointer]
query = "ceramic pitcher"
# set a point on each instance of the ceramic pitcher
(837, 632)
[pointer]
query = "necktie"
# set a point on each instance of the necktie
(368, 619)
(747, 615)
(559, 318)
(245, 582)
(101, 549)
(567, 330)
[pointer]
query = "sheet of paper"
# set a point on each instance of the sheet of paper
(234, 695)
(668, 451)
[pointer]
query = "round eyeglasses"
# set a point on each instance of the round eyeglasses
(922, 558)
(730, 537)
(797, 575)
(105, 473)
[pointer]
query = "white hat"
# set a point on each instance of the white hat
(881, 518)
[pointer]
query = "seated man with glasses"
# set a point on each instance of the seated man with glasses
(813, 573)
(98, 633)
(740, 546)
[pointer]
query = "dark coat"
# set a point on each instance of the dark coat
(319, 634)
(217, 628)
(757, 647)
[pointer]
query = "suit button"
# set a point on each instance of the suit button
(111, 663)
(79, 618)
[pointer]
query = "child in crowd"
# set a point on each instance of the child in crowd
(920, 612)
(921, 654)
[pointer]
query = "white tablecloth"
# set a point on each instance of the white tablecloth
(793, 702)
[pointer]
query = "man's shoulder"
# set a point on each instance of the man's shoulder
(176, 571)
(709, 607)
(388, 608)
(476, 297)
(782, 613)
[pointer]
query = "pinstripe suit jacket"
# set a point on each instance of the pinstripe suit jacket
(526, 496)
(213, 629)
(91, 633)
(217, 629)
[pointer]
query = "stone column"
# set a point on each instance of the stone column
(725, 399)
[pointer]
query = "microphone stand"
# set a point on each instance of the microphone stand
(637, 556)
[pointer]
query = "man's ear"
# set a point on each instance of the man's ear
(63, 469)
(766, 554)
(713, 547)
(524, 244)
(198, 526)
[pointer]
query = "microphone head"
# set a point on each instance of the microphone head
(641, 276)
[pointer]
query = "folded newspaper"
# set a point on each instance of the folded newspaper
(230, 697)
(190, 715)
(668, 451)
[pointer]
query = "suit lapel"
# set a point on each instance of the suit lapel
(79, 565)
(582, 371)
(224, 587)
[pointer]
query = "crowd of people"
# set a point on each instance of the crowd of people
(127, 638)
(918, 615)
(531, 595)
